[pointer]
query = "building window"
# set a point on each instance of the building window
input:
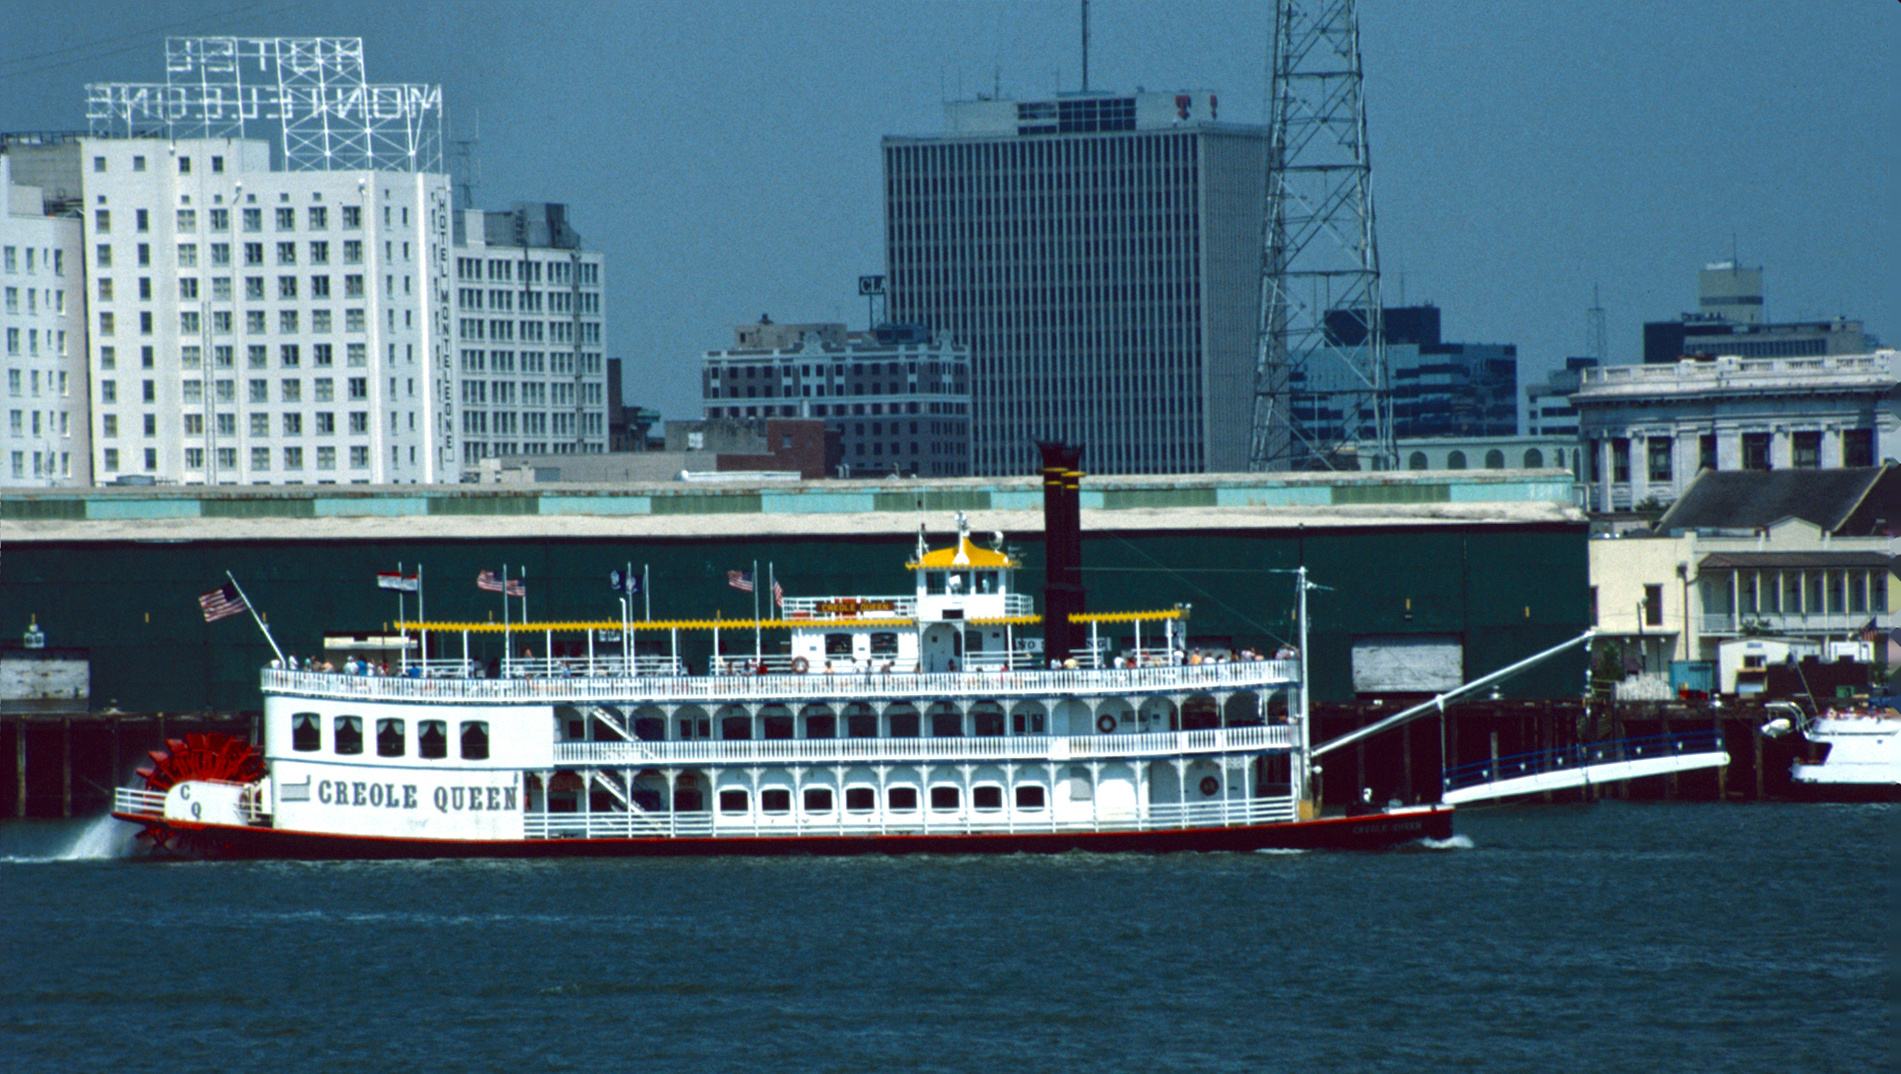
(1756, 451)
(1858, 447)
(1620, 460)
(1455, 460)
(1806, 449)
(1659, 451)
(1416, 461)
(1706, 451)
(1653, 605)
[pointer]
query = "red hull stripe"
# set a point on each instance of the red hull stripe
(1344, 833)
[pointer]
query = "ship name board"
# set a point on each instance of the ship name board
(447, 799)
(855, 606)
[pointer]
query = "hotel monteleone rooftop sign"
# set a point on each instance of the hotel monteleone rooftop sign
(311, 90)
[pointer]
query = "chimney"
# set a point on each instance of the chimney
(1063, 593)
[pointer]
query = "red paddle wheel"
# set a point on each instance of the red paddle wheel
(203, 756)
(209, 756)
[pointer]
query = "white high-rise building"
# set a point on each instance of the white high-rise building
(295, 310)
(1100, 254)
(251, 326)
(43, 321)
(529, 336)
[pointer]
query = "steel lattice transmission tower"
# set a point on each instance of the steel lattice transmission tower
(1322, 399)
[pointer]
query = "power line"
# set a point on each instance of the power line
(138, 39)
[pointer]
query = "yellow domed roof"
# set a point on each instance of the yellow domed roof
(974, 556)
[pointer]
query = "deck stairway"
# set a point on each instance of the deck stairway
(1583, 765)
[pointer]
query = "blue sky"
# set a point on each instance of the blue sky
(724, 154)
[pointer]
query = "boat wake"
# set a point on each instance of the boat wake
(103, 837)
(1457, 842)
(38, 842)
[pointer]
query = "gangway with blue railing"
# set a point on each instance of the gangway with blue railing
(1583, 765)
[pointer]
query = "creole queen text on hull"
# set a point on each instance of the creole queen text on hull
(929, 721)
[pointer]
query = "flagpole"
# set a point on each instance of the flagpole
(508, 645)
(646, 588)
(758, 646)
(422, 618)
(402, 657)
(261, 625)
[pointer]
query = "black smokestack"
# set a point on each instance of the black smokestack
(1063, 593)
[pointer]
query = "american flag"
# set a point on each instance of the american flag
(487, 580)
(517, 587)
(778, 594)
(221, 602)
(740, 580)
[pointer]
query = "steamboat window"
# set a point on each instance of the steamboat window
(306, 732)
(735, 727)
(389, 738)
(775, 800)
(818, 799)
(1029, 796)
(432, 739)
(349, 734)
(863, 725)
(732, 801)
(986, 723)
(947, 724)
(777, 727)
(860, 799)
(986, 799)
(884, 643)
(475, 740)
(904, 725)
(1027, 723)
(821, 727)
(943, 798)
(838, 645)
(901, 799)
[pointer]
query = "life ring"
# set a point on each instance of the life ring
(800, 664)
(1106, 724)
(1209, 785)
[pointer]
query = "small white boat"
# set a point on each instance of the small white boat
(1855, 753)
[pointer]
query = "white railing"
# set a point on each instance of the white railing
(139, 802)
(1781, 623)
(833, 751)
(715, 689)
(1153, 817)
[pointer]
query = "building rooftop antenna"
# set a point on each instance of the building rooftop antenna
(1085, 46)
(467, 166)
(1594, 328)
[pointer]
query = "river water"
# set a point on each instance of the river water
(1614, 936)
